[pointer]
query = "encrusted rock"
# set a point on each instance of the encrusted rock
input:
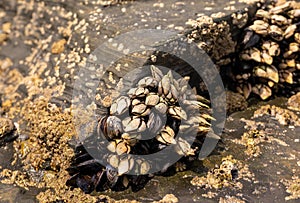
(294, 102)
(6, 126)
(283, 116)
(235, 102)
(168, 198)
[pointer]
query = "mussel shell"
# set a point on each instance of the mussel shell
(139, 182)
(112, 175)
(250, 39)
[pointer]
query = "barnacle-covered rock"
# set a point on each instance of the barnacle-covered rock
(292, 187)
(251, 140)
(7, 130)
(144, 119)
(170, 198)
(226, 175)
(283, 116)
(268, 55)
(235, 102)
(294, 102)
(214, 38)
(6, 126)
